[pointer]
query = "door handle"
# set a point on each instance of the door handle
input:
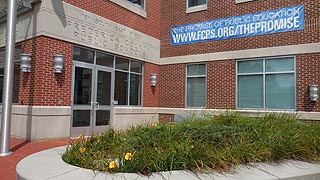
(114, 102)
(95, 105)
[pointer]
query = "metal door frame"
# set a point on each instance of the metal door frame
(91, 129)
(103, 107)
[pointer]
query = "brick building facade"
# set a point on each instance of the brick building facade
(221, 73)
(112, 47)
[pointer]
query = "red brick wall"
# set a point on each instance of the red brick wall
(172, 86)
(151, 93)
(116, 13)
(174, 14)
(221, 84)
(221, 76)
(43, 87)
(308, 73)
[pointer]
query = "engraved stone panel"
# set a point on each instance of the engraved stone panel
(66, 22)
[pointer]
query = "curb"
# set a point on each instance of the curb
(48, 164)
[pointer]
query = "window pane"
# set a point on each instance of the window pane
(136, 66)
(250, 91)
(104, 88)
(122, 64)
(16, 55)
(196, 92)
(82, 86)
(280, 64)
(280, 91)
(250, 66)
(102, 117)
(135, 89)
(2, 56)
(16, 75)
(81, 118)
(121, 88)
(196, 69)
(16, 83)
(138, 2)
(1, 83)
(193, 3)
(84, 55)
(104, 59)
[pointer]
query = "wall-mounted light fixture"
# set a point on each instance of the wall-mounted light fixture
(58, 63)
(25, 64)
(153, 79)
(314, 91)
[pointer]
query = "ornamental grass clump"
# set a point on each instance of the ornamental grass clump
(198, 144)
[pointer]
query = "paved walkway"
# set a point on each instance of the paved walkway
(22, 149)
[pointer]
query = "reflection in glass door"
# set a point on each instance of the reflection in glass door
(92, 89)
(103, 99)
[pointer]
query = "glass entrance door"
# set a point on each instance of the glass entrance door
(103, 99)
(92, 96)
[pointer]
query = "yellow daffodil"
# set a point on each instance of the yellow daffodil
(154, 124)
(80, 136)
(82, 150)
(112, 165)
(128, 156)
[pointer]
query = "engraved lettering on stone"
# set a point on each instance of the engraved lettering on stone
(90, 32)
(135, 35)
(85, 17)
(100, 37)
(103, 36)
(99, 22)
(96, 37)
(119, 29)
(2, 34)
(84, 32)
(105, 43)
(102, 23)
(114, 38)
(76, 29)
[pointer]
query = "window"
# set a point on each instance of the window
(16, 76)
(128, 82)
(83, 55)
(136, 6)
(266, 83)
(243, 1)
(196, 5)
(196, 85)
(139, 3)
(103, 59)
(193, 3)
(128, 77)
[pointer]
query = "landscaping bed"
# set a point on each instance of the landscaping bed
(199, 144)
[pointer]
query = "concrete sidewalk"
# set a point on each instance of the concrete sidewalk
(49, 165)
(22, 149)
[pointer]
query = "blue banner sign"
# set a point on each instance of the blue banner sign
(267, 22)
